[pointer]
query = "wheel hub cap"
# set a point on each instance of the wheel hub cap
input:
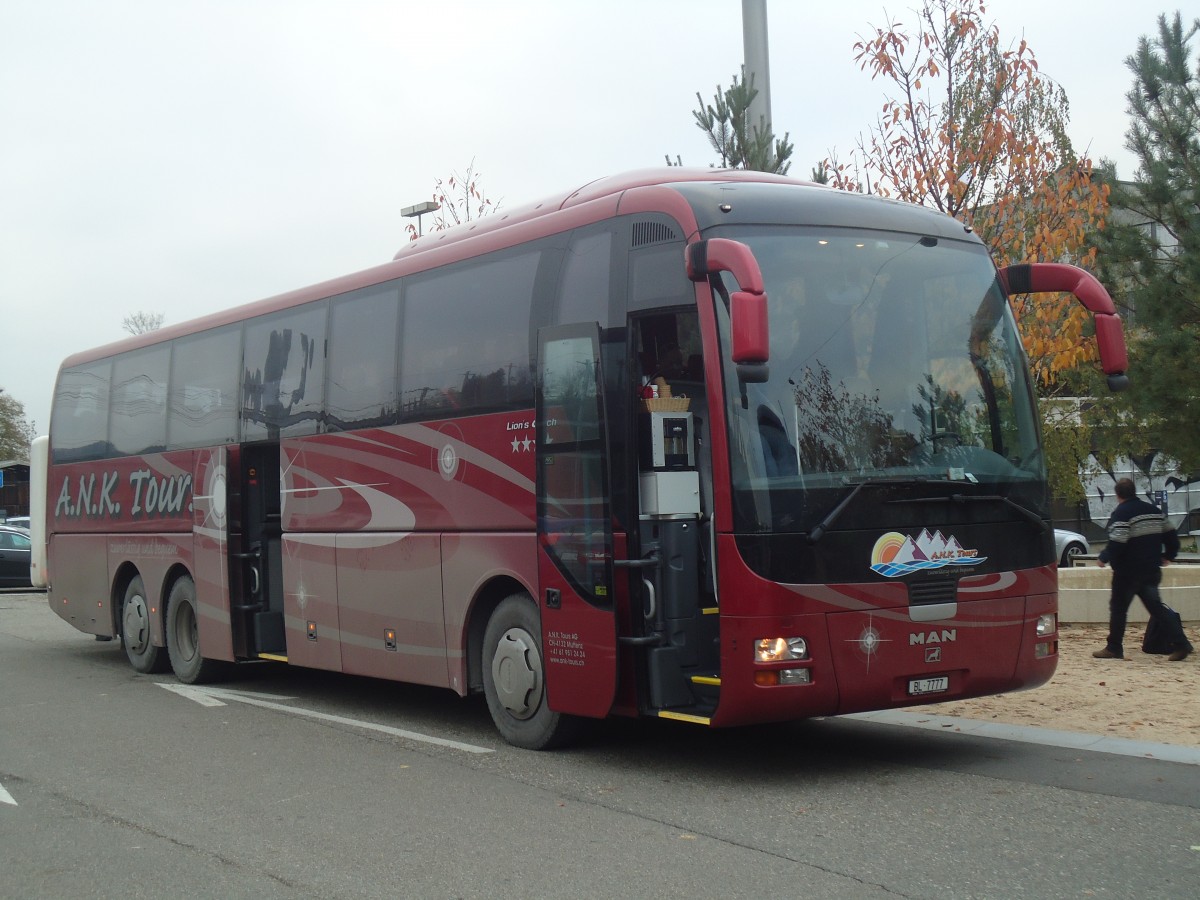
(136, 623)
(517, 673)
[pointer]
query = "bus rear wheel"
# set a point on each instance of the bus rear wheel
(183, 636)
(135, 630)
(514, 679)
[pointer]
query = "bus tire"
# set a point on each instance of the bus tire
(514, 678)
(183, 636)
(135, 630)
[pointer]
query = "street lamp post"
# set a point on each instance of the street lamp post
(758, 63)
(419, 209)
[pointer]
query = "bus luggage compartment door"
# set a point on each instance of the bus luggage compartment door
(210, 546)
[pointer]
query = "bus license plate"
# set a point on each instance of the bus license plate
(918, 686)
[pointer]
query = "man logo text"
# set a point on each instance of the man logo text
(933, 637)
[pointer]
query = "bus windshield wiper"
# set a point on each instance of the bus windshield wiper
(821, 527)
(1025, 511)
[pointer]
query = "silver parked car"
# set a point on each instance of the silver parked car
(1068, 545)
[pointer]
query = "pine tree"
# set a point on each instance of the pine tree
(1152, 253)
(740, 143)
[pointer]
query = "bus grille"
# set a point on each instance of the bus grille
(922, 593)
(645, 233)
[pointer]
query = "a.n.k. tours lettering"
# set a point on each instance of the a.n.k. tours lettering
(143, 495)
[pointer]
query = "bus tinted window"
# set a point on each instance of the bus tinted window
(138, 416)
(79, 430)
(465, 346)
(204, 383)
(362, 358)
(587, 273)
(284, 375)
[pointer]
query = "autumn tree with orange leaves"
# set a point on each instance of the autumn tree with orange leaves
(971, 127)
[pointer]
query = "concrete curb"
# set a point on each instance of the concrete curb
(1072, 740)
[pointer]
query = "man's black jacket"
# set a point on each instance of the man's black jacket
(1139, 537)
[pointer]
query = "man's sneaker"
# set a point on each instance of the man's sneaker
(1181, 653)
(1105, 653)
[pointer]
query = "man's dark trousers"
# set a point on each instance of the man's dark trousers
(1124, 588)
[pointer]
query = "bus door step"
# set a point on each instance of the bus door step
(669, 687)
(684, 717)
(706, 687)
(268, 633)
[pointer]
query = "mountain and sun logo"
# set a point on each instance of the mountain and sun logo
(896, 554)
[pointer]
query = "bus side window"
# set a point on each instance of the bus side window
(79, 429)
(138, 416)
(203, 399)
(465, 341)
(284, 379)
(364, 331)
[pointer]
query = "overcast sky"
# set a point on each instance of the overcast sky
(185, 156)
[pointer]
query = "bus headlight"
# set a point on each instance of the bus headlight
(1047, 624)
(769, 650)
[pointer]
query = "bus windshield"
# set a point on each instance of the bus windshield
(893, 357)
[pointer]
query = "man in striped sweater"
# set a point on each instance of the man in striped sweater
(1140, 542)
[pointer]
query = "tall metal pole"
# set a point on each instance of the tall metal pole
(758, 64)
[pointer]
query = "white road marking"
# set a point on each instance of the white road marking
(198, 695)
(6, 797)
(211, 696)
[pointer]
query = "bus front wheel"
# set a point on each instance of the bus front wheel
(183, 636)
(135, 630)
(514, 678)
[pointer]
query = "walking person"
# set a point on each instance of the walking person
(1140, 542)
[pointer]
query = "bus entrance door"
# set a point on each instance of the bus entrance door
(575, 536)
(257, 559)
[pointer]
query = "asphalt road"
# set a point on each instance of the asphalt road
(307, 784)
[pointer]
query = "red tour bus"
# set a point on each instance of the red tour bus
(714, 446)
